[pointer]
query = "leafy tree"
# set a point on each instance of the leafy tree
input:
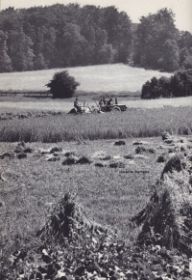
(20, 50)
(185, 40)
(10, 19)
(187, 63)
(169, 59)
(5, 61)
(119, 31)
(49, 46)
(185, 45)
(103, 52)
(39, 62)
(70, 46)
(62, 85)
(181, 83)
(156, 41)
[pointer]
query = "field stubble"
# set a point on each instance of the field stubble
(31, 186)
(110, 196)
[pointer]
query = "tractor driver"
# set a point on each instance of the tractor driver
(77, 106)
(110, 102)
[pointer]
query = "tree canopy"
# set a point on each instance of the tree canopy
(64, 35)
(70, 35)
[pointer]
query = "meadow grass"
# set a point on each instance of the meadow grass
(133, 123)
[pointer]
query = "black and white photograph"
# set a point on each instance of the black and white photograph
(95, 139)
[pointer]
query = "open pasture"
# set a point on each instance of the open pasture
(101, 78)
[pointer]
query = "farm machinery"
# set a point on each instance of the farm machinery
(84, 110)
(113, 108)
(101, 107)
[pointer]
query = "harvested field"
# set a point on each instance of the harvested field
(32, 187)
(66, 208)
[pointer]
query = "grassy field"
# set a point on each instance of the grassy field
(102, 78)
(64, 127)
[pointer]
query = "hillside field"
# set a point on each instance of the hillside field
(100, 78)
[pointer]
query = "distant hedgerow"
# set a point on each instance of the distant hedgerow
(180, 84)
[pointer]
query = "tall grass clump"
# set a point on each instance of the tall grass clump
(133, 123)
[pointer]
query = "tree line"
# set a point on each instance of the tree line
(70, 35)
(180, 84)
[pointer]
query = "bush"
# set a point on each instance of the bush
(180, 84)
(62, 85)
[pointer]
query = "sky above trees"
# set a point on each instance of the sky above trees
(135, 8)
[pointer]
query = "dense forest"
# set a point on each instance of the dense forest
(70, 35)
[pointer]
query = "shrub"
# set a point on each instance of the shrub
(62, 85)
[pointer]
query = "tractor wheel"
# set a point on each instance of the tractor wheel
(73, 111)
(116, 109)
